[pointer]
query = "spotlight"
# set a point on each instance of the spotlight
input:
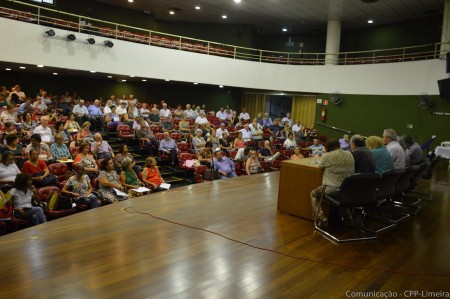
(50, 32)
(108, 43)
(91, 41)
(71, 37)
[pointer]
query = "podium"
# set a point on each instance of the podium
(297, 179)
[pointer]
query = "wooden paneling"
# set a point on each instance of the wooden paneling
(297, 179)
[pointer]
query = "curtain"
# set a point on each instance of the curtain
(254, 104)
(304, 110)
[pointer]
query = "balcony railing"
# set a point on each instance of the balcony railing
(56, 19)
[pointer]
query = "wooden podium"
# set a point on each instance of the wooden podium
(297, 179)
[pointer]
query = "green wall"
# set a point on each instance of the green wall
(370, 115)
(151, 92)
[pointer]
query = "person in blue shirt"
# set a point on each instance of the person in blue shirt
(224, 166)
(317, 148)
(96, 116)
(382, 158)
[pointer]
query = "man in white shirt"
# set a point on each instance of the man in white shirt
(246, 133)
(288, 119)
(189, 112)
(44, 130)
(19, 93)
(164, 113)
(221, 114)
(297, 127)
(134, 109)
(45, 99)
(201, 119)
(137, 123)
(81, 112)
(221, 130)
(242, 154)
(256, 129)
(395, 149)
(122, 109)
(244, 115)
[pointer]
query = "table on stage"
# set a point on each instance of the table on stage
(297, 179)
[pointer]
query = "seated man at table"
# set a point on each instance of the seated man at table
(224, 166)
(336, 164)
(58, 149)
(364, 162)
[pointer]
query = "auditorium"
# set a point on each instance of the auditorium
(224, 149)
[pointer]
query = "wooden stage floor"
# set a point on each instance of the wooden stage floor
(115, 252)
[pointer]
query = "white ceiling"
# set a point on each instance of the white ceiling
(299, 16)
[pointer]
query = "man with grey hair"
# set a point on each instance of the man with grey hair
(44, 130)
(58, 149)
(81, 112)
(394, 148)
(364, 162)
(101, 148)
(96, 115)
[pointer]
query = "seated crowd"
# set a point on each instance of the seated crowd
(57, 129)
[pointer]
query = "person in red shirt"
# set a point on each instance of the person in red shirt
(151, 175)
(39, 171)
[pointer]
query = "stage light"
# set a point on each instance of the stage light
(50, 32)
(108, 43)
(71, 37)
(91, 41)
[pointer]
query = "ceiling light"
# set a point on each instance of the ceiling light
(93, 72)
(22, 67)
(167, 80)
(109, 77)
(197, 7)
(91, 41)
(123, 80)
(55, 74)
(71, 37)
(131, 1)
(237, 1)
(8, 69)
(40, 65)
(220, 86)
(171, 12)
(195, 83)
(224, 16)
(132, 76)
(284, 29)
(50, 32)
(144, 80)
(108, 43)
(370, 21)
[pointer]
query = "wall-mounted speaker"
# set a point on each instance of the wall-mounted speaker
(444, 88)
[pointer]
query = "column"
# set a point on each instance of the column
(445, 37)
(333, 42)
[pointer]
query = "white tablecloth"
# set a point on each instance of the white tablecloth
(443, 151)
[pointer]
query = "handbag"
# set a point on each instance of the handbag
(6, 207)
(211, 175)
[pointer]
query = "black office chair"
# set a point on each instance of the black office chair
(385, 212)
(356, 191)
(415, 180)
(402, 187)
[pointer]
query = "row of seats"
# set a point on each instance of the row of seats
(386, 198)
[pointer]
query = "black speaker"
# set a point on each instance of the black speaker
(447, 62)
(444, 88)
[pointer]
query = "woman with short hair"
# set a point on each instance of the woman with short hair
(79, 187)
(108, 181)
(87, 160)
(8, 171)
(39, 171)
(151, 175)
